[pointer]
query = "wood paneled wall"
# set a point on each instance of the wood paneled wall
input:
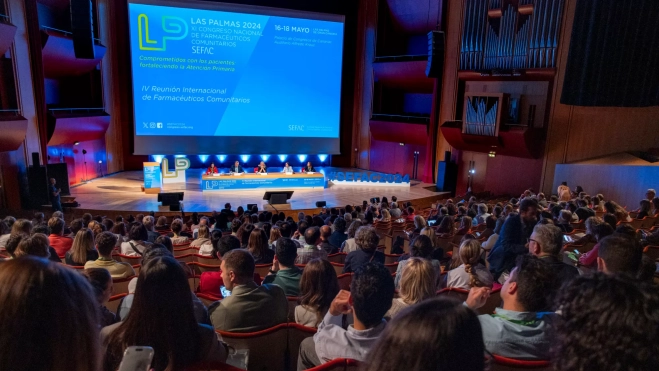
(366, 43)
(576, 133)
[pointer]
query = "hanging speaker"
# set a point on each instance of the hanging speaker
(435, 65)
(82, 28)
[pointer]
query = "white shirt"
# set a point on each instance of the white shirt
(459, 278)
(127, 249)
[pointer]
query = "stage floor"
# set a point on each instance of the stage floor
(122, 192)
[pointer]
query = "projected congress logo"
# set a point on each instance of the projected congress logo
(171, 28)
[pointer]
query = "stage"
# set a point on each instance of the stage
(121, 192)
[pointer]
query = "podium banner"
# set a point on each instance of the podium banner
(152, 177)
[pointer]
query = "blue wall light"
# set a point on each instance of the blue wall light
(158, 158)
(282, 158)
(245, 158)
(221, 157)
(203, 158)
(322, 158)
(302, 158)
(265, 157)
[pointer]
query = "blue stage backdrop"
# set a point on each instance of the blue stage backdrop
(220, 78)
(237, 183)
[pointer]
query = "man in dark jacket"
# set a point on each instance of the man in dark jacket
(546, 243)
(339, 235)
(513, 238)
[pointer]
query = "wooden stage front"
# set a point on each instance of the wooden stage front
(121, 192)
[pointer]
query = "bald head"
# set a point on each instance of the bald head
(325, 232)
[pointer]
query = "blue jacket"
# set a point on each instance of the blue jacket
(511, 243)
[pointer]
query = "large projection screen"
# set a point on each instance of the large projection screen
(214, 78)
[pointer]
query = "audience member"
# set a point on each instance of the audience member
(520, 329)
(600, 231)
(421, 248)
(418, 282)
(339, 235)
(325, 233)
(437, 334)
(349, 245)
(482, 214)
(203, 239)
(546, 242)
(318, 287)
(48, 318)
(370, 296)
(101, 283)
(310, 250)
(619, 254)
(512, 241)
(367, 240)
(284, 273)
(82, 249)
(136, 241)
(606, 323)
(177, 228)
(58, 241)
(471, 273)
(105, 243)
(174, 334)
(564, 220)
(250, 307)
(621, 214)
(34, 245)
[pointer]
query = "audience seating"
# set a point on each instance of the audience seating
(492, 302)
(132, 260)
(338, 268)
(185, 251)
(199, 268)
(652, 252)
(499, 363)
(262, 269)
(391, 258)
(187, 258)
(207, 299)
(120, 285)
(205, 259)
(582, 249)
(296, 333)
(266, 347)
(193, 282)
(76, 267)
(339, 258)
(115, 300)
(344, 281)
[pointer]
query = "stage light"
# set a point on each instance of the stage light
(322, 158)
(265, 157)
(76, 143)
(203, 158)
(492, 154)
(179, 156)
(221, 157)
(473, 171)
(302, 158)
(245, 158)
(100, 161)
(282, 158)
(402, 144)
(158, 158)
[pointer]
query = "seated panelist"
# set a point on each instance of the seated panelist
(287, 168)
(309, 168)
(236, 168)
(211, 169)
(262, 168)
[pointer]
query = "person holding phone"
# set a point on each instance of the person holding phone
(177, 339)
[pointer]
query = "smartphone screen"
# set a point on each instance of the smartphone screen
(225, 293)
(137, 358)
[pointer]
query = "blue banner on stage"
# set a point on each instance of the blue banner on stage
(368, 177)
(236, 183)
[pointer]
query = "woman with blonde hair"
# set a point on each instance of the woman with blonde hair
(82, 250)
(386, 216)
(471, 273)
(417, 283)
(275, 234)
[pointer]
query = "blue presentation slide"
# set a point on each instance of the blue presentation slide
(213, 73)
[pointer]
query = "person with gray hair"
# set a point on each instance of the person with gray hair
(350, 245)
(150, 223)
(482, 214)
(367, 240)
(546, 242)
(650, 194)
(395, 211)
